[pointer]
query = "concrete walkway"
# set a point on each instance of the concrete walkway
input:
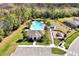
(52, 38)
(34, 43)
(33, 46)
(42, 46)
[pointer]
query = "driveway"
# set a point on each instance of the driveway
(33, 51)
(52, 37)
(74, 48)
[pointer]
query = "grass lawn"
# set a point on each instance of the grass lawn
(70, 39)
(45, 42)
(64, 19)
(56, 41)
(58, 51)
(8, 45)
(46, 39)
(25, 43)
(50, 20)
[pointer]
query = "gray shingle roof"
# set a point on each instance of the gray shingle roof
(72, 23)
(35, 34)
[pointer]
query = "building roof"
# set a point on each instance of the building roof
(72, 22)
(34, 33)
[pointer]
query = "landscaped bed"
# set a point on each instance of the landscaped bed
(58, 51)
(70, 39)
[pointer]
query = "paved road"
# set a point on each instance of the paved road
(33, 51)
(74, 48)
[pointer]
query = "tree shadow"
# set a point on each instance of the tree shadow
(20, 40)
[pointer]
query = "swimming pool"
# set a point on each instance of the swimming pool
(37, 25)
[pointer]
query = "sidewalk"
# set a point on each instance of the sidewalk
(34, 43)
(34, 46)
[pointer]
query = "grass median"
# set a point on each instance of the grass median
(58, 51)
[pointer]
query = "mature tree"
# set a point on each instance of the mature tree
(10, 23)
(16, 22)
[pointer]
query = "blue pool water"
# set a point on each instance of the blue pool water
(37, 25)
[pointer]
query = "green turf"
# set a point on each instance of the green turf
(64, 19)
(56, 41)
(58, 51)
(46, 39)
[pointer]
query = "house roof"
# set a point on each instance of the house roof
(73, 22)
(34, 33)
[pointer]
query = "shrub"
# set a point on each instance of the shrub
(48, 23)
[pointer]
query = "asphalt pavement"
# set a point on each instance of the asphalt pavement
(33, 51)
